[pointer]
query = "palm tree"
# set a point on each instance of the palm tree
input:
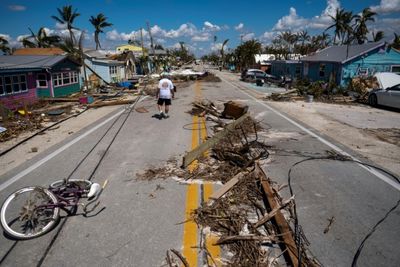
(67, 16)
(222, 50)
(99, 23)
(377, 36)
(341, 24)
(4, 45)
(41, 39)
(303, 37)
(396, 42)
(361, 29)
(245, 53)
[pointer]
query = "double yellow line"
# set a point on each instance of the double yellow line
(190, 234)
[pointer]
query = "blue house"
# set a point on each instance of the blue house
(108, 69)
(344, 62)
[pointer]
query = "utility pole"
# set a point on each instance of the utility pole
(151, 42)
(141, 40)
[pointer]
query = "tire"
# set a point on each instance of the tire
(373, 100)
(20, 217)
(84, 184)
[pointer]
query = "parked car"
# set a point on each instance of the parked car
(252, 74)
(284, 81)
(388, 93)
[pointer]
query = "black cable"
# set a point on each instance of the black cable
(338, 157)
(39, 132)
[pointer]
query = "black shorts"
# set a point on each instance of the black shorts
(161, 101)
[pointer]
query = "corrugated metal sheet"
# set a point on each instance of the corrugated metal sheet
(28, 62)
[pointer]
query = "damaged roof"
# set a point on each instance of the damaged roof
(29, 62)
(343, 53)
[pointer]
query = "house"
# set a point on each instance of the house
(109, 70)
(136, 50)
(26, 78)
(264, 61)
(344, 62)
(131, 64)
(287, 68)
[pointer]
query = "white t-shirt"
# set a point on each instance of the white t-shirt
(165, 86)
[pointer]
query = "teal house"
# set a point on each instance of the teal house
(344, 62)
(287, 68)
(24, 79)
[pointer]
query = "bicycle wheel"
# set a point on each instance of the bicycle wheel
(84, 184)
(29, 213)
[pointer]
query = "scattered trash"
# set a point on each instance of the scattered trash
(2, 129)
(331, 221)
(34, 149)
(56, 112)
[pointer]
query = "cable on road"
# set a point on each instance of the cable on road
(2, 153)
(338, 157)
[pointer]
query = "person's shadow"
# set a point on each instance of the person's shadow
(157, 116)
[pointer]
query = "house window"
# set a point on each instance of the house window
(65, 78)
(322, 70)
(113, 70)
(13, 84)
(41, 80)
(1, 86)
(362, 72)
(396, 69)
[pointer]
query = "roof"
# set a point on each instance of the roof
(95, 53)
(29, 62)
(343, 53)
(108, 61)
(39, 51)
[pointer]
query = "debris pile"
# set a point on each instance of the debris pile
(254, 227)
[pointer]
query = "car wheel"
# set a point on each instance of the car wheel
(373, 100)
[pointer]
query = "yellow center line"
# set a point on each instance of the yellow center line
(192, 201)
(210, 238)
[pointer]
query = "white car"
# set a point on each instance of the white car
(388, 93)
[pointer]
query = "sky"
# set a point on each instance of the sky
(193, 22)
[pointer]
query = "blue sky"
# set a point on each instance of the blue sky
(193, 22)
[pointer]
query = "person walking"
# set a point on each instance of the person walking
(164, 95)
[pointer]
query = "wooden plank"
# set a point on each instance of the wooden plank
(61, 99)
(198, 151)
(283, 226)
(226, 187)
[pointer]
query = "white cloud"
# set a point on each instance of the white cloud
(203, 37)
(290, 22)
(17, 7)
(387, 6)
(268, 36)
(61, 26)
(208, 26)
(216, 47)
(6, 36)
(294, 22)
(248, 36)
(239, 26)
(186, 29)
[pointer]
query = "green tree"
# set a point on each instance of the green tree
(99, 23)
(377, 36)
(396, 41)
(41, 39)
(67, 16)
(245, 53)
(361, 29)
(4, 45)
(222, 51)
(342, 26)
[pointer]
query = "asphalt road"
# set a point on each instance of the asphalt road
(140, 223)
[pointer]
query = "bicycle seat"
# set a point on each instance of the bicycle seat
(95, 189)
